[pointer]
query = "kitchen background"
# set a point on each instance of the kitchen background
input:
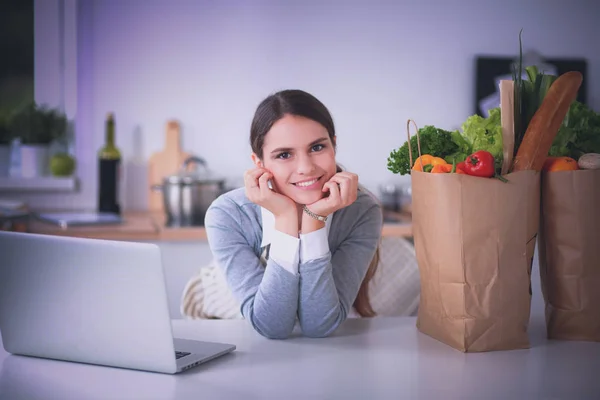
(208, 64)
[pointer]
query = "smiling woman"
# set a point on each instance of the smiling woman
(300, 157)
(318, 228)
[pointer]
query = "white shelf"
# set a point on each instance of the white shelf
(42, 184)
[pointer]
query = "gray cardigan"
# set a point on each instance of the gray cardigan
(321, 295)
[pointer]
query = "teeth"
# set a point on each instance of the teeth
(308, 183)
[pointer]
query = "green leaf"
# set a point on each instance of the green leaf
(579, 133)
(486, 134)
(434, 141)
(529, 95)
(518, 98)
(547, 81)
(532, 73)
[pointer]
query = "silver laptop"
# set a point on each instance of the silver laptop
(91, 301)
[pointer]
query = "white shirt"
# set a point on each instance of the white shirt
(289, 251)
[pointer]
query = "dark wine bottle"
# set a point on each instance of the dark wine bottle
(109, 170)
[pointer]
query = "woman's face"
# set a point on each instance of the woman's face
(301, 157)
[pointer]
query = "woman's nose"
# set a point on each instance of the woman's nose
(305, 165)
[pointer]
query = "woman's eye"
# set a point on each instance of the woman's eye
(284, 155)
(318, 147)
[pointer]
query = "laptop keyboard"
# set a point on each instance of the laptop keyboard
(179, 354)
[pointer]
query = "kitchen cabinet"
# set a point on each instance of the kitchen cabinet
(145, 226)
(184, 250)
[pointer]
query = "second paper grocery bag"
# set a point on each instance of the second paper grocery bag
(569, 248)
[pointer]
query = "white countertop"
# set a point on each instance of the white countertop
(381, 358)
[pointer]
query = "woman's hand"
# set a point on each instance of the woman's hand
(343, 190)
(257, 190)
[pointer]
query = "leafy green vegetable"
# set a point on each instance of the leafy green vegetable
(434, 141)
(579, 134)
(517, 74)
(463, 151)
(534, 92)
(486, 134)
(580, 131)
(453, 146)
(528, 95)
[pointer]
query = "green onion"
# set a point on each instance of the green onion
(518, 90)
(528, 94)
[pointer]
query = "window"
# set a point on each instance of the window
(17, 50)
(48, 30)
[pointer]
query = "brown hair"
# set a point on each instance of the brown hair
(303, 104)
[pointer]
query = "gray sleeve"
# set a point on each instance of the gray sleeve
(268, 295)
(329, 285)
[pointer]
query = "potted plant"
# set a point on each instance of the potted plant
(37, 126)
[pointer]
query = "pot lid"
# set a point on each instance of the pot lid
(197, 175)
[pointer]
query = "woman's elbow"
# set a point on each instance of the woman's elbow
(319, 331)
(272, 331)
(269, 325)
(324, 326)
(274, 335)
(317, 334)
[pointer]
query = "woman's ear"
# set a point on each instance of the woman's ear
(256, 160)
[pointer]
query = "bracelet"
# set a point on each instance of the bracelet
(313, 215)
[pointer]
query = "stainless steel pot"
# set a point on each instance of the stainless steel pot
(188, 194)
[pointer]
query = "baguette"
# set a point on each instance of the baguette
(546, 121)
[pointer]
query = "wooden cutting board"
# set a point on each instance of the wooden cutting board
(164, 163)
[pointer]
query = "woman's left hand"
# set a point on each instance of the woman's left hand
(342, 188)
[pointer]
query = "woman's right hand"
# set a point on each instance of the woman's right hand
(257, 190)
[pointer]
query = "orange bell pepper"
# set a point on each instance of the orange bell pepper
(427, 159)
(441, 169)
(422, 162)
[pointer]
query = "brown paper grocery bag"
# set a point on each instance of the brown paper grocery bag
(569, 253)
(474, 242)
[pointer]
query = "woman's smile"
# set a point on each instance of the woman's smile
(309, 184)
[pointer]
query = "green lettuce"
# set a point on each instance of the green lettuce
(485, 134)
(464, 148)
(579, 134)
(478, 133)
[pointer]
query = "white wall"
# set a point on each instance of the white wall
(373, 63)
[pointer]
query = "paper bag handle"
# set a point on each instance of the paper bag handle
(418, 143)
